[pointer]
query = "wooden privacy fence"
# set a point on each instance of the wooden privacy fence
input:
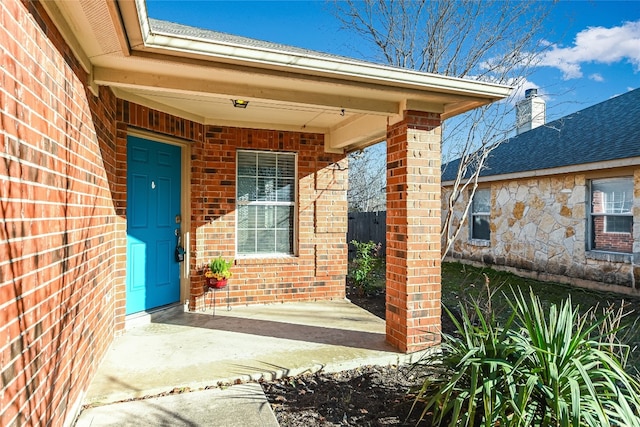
(365, 226)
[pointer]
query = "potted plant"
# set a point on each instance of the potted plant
(218, 272)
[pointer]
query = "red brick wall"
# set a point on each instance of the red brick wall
(58, 252)
(318, 271)
(63, 207)
(608, 241)
(413, 232)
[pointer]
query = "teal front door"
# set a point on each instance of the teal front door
(153, 202)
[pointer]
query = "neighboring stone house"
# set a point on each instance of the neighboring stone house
(561, 202)
(121, 134)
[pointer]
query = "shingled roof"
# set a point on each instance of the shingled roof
(167, 27)
(606, 131)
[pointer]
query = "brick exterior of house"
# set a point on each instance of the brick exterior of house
(63, 201)
(59, 238)
(318, 271)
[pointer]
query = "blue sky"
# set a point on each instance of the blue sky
(594, 55)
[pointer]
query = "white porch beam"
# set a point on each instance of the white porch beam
(357, 132)
(142, 80)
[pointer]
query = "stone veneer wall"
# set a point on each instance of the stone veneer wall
(539, 229)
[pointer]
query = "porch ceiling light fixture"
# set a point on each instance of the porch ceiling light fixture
(240, 103)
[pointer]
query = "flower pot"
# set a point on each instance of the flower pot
(212, 282)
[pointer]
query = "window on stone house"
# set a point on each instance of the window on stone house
(611, 223)
(265, 203)
(481, 214)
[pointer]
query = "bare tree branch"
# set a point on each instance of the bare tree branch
(367, 179)
(497, 41)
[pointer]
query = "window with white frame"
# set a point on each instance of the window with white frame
(611, 223)
(266, 203)
(481, 214)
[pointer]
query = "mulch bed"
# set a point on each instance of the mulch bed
(366, 396)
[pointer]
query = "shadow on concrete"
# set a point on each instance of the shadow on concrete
(278, 329)
(198, 350)
(242, 405)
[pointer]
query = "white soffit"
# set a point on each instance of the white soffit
(349, 101)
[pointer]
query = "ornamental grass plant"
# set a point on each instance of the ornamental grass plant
(533, 367)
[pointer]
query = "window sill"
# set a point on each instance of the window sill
(613, 256)
(266, 259)
(480, 242)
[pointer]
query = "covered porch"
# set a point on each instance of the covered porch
(173, 80)
(249, 343)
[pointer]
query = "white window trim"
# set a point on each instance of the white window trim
(590, 215)
(474, 240)
(264, 203)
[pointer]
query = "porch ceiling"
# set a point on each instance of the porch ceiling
(194, 76)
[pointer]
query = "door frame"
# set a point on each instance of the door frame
(185, 202)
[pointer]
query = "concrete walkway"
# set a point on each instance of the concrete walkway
(243, 405)
(194, 351)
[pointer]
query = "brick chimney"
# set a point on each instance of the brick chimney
(530, 111)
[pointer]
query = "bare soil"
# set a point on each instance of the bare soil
(382, 396)
(366, 396)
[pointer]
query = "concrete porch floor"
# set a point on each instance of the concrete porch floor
(197, 349)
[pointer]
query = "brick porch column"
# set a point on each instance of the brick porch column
(413, 231)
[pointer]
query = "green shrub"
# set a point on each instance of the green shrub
(366, 261)
(536, 368)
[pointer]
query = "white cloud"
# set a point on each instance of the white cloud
(596, 77)
(597, 45)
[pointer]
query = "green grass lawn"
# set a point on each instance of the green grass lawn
(465, 281)
(462, 282)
